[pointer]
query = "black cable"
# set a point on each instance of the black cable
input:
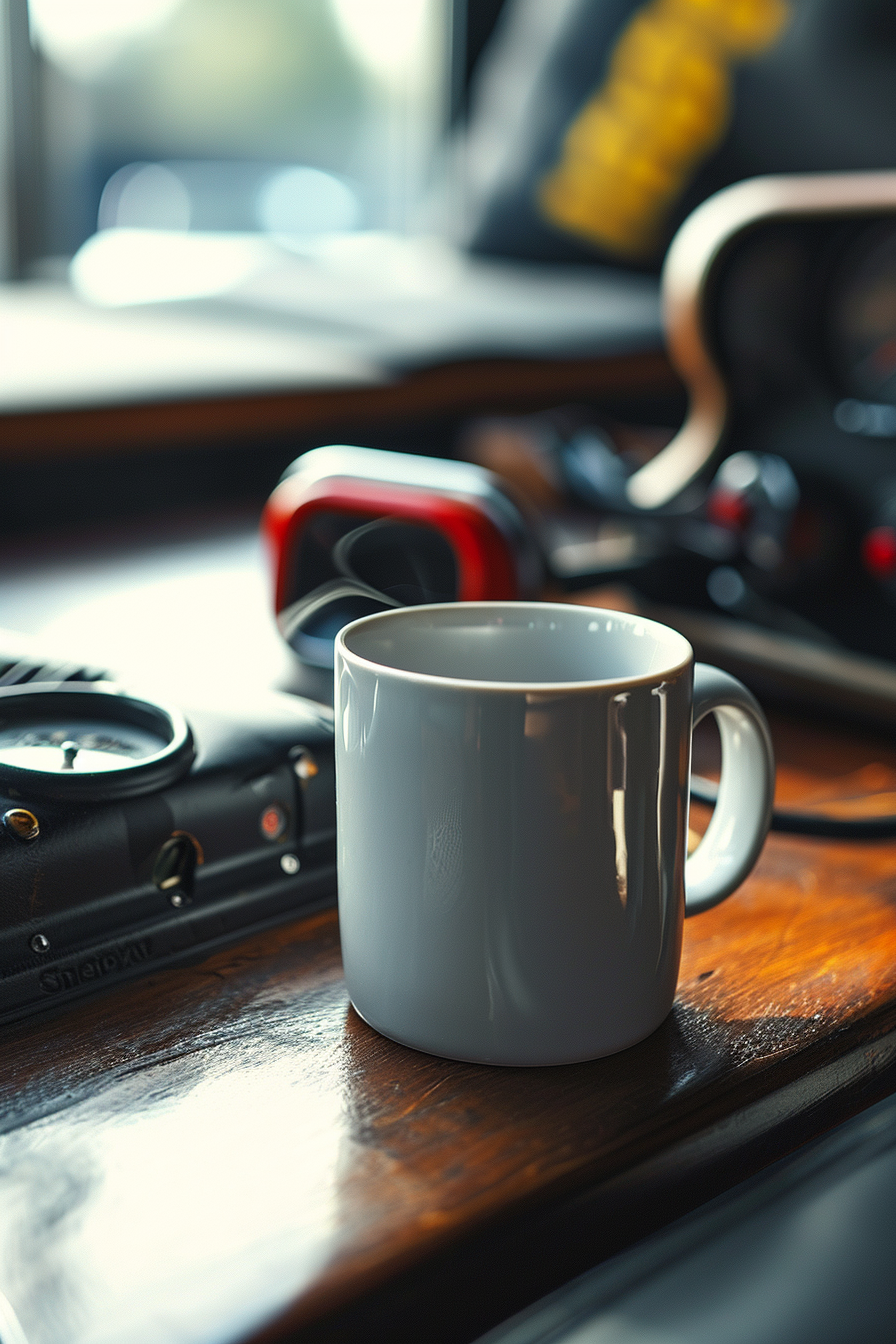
(810, 823)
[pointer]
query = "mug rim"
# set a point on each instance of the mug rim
(351, 657)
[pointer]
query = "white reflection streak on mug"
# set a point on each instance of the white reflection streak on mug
(512, 802)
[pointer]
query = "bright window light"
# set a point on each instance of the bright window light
(145, 196)
(306, 201)
(82, 36)
(385, 35)
(123, 266)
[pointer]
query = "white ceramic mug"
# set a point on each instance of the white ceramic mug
(512, 797)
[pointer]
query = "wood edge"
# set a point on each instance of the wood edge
(471, 386)
(519, 1255)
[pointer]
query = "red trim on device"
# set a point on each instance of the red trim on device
(486, 565)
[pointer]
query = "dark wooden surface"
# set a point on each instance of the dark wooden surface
(479, 386)
(227, 1151)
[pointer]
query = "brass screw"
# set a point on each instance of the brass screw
(21, 823)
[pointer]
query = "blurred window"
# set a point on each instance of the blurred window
(287, 116)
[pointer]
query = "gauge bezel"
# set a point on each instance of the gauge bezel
(118, 705)
(699, 245)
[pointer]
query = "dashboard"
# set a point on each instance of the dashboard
(780, 311)
(862, 321)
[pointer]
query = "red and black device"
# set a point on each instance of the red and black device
(356, 530)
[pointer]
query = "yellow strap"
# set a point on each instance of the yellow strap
(666, 102)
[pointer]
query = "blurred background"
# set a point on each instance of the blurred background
(232, 231)
(287, 116)
(235, 230)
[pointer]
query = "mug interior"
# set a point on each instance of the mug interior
(516, 643)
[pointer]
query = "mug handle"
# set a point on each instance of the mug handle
(743, 811)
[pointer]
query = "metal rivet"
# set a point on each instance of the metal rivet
(40, 943)
(177, 899)
(290, 863)
(303, 763)
(21, 823)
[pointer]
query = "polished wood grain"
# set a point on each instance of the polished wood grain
(227, 1150)
(464, 387)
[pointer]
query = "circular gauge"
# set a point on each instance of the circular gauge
(863, 316)
(89, 742)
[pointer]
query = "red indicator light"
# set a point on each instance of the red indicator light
(728, 508)
(879, 551)
(273, 822)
